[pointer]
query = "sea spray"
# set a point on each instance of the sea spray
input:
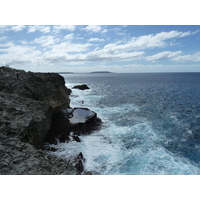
(149, 128)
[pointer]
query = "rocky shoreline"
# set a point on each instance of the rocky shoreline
(35, 110)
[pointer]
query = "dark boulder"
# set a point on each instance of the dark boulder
(80, 164)
(72, 122)
(81, 87)
(84, 121)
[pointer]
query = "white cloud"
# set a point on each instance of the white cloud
(104, 31)
(96, 40)
(57, 28)
(4, 28)
(60, 52)
(43, 29)
(8, 44)
(93, 28)
(23, 42)
(15, 54)
(3, 38)
(101, 55)
(65, 47)
(69, 36)
(32, 29)
(45, 40)
(65, 57)
(188, 58)
(171, 34)
(67, 52)
(18, 28)
(120, 52)
(147, 41)
(117, 51)
(163, 55)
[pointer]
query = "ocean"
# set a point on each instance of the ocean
(151, 123)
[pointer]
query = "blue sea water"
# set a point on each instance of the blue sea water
(151, 123)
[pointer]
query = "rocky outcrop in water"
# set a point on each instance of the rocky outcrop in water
(72, 122)
(81, 87)
(83, 121)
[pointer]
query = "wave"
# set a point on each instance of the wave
(128, 143)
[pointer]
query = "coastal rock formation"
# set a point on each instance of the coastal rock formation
(29, 120)
(83, 121)
(81, 87)
(27, 103)
(72, 122)
(46, 87)
(19, 158)
(35, 110)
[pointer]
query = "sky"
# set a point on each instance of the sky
(87, 48)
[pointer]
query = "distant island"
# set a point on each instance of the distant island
(101, 72)
(83, 72)
(65, 72)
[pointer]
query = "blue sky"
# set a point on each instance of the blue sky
(86, 48)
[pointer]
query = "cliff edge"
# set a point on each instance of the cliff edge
(27, 103)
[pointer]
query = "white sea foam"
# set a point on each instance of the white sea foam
(82, 98)
(132, 148)
(160, 161)
(112, 151)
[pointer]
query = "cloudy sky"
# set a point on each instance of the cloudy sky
(86, 48)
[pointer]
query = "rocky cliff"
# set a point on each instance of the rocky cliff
(27, 103)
